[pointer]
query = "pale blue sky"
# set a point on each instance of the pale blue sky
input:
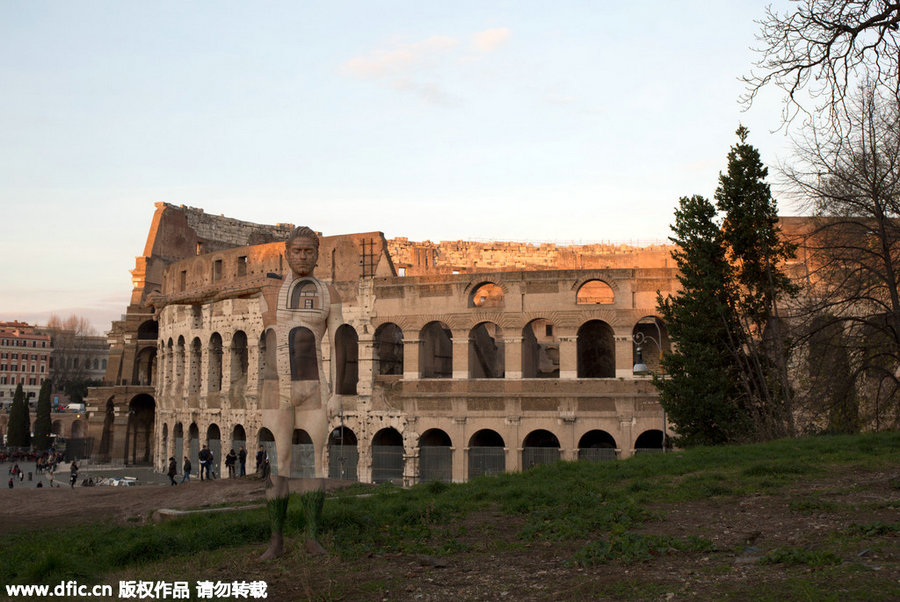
(567, 121)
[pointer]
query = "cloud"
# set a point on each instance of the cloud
(490, 39)
(386, 63)
(418, 67)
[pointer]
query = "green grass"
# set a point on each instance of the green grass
(601, 505)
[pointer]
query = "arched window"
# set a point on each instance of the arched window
(389, 349)
(240, 361)
(387, 456)
(304, 362)
(597, 445)
(343, 455)
(435, 456)
(194, 375)
(436, 351)
(304, 296)
(539, 447)
(651, 340)
(486, 294)
(487, 353)
(215, 363)
(346, 343)
(540, 350)
(596, 350)
(595, 292)
(268, 367)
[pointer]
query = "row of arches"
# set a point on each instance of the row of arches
(540, 354)
(486, 451)
(593, 292)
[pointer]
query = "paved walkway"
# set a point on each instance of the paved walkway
(144, 474)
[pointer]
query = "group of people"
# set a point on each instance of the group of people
(207, 465)
(48, 465)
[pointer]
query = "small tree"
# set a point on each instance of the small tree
(42, 418)
(19, 427)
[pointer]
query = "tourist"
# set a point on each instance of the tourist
(11, 483)
(73, 469)
(211, 465)
(230, 460)
(173, 470)
(242, 459)
(260, 456)
(187, 471)
(204, 462)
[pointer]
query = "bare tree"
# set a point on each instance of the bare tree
(70, 369)
(819, 52)
(852, 187)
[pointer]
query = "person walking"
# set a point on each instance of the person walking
(73, 469)
(173, 470)
(242, 459)
(230, 460)
(260, 456)
(187, 471)
(204, 463)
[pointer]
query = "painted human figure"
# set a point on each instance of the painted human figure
(308, 312)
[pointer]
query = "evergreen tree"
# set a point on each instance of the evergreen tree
(42, 418)
(756, 249)
(700, 392)
(722, 384)
(18, 433)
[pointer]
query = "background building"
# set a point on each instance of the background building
(24, 358)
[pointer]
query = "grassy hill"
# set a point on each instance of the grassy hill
(807, 519)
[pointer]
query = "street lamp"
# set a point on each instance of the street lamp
(641, 369)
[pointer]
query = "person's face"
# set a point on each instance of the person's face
(302, 255)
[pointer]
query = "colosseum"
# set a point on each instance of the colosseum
(440, 361)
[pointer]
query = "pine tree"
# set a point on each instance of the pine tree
(722, 384)
(41, 439)
(757, 250)
(700, 392)
(18, 434)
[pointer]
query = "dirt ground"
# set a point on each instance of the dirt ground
(500, 566)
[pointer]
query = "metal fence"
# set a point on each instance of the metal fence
(303, 461)
(342, 461)
(597, 454)
(486, 460)
(533, 456)
(387, 463)
(648, 450)
(435, 463)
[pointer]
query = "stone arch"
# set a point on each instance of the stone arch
(268, 366)
(595, 292)
(214, 363)
(194, 369)
(106, 435)
(596, 350)
(141, 413)
(169, 366)
(194, 446)
(77, 429)
(266, 440)
(487, 453)
(651, 340)
(435, 456)
(240, 365)
(649, 441)
(148, 330)
(343, 455)
(303, 455)
(304, 361)
(435, 351)
(239, 440)
(346, 351)
(388, 342)
(180, 361)
(214, 444)
(144, 373)
(303, 295)
(486, 295)
(57, 428)
(539, 447)
(540, 350)
(487, 352)
(387, 456)
(178, 441)
(597, 445)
